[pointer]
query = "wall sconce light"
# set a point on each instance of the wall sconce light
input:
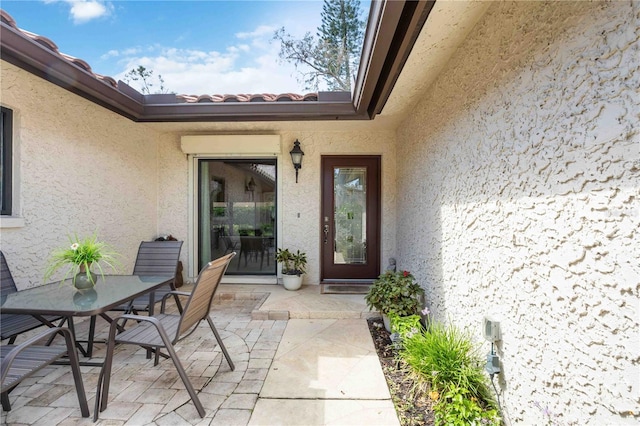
(296, 157)
(251, 185)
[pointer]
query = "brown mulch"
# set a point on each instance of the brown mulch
(412, 405)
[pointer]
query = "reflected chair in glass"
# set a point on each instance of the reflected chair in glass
(163, 331)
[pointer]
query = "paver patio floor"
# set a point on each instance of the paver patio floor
(313, 369)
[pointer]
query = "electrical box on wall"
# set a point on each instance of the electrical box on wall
(491, 329)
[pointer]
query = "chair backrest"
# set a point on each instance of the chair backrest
(199, 303)
(158, 258)
(6, 279)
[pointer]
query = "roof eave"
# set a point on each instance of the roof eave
(30, 56)
(246, 111)
(391, 33)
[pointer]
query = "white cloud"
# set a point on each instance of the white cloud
(83, 11)
(250, 67)
(261, 31)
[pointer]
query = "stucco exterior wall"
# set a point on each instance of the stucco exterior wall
(83, 169)
(518, 198)
(303, 198)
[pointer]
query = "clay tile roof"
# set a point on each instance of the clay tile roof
(261, 97)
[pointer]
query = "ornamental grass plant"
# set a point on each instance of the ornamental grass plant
(81, 255)
(447, 360)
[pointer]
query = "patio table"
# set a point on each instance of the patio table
(64, 300)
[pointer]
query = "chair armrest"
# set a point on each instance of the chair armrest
(11, 356)
(171, 293)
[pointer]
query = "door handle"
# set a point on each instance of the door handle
(326, 234)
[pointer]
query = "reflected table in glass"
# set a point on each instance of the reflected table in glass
(65, 300)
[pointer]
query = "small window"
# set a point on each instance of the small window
(6, 161)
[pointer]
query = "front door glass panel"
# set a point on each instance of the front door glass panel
(350, 215)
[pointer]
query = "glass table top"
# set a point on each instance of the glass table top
(63, 299)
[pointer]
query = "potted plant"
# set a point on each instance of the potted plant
(293, 266)
(395, 293)
(80, 256)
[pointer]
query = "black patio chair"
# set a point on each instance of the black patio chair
(12, 325)
(18, 362)
(165, 330)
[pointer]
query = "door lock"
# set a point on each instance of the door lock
(326, 233)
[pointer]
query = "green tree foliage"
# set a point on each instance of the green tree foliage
(144, 76)
(334, 55)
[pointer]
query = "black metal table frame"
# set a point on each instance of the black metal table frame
(17, 304)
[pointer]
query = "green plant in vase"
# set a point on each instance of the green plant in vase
(79, 257)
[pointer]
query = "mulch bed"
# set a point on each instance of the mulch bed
(412, 405)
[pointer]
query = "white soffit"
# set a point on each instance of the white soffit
(230, 144)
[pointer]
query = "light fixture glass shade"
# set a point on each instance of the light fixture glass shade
(296, 157)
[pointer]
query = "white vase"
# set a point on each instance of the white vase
(387, 322)
(292, 282)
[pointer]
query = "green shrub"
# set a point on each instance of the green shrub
(448, 361)
(395, 293)
(455, 407)
(406, 327)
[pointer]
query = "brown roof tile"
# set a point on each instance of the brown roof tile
(259, 97)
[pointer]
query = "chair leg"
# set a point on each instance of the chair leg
(6, 405)
(184, 377)
(102, 391)
(77, 376)
(224, 349)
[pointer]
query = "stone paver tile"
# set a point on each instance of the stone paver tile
(26, 414)
(131, 392)
(51, 374)
(249, 386)
(181, 397)
(271, 412)
(259, 363)
(52, 395)
(156, 396)
(118, 410)
(146, 373)
(255, 323)
(211, 402)
(145, 414)
(189, 413)
(260, 315)
(263, 353)
(232, 417)
(229, 376)
(220, 388)
(243, 401)
(166, 380)
(253, 336)
(265, 346)
(241, 365)
(256, 374)
(69, 399)
(171, 419)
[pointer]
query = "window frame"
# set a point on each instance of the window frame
(6, 159)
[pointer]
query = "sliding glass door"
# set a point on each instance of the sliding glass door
(237, 212)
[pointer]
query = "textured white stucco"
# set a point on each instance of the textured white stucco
(301, 198)
(518, 198)
(83, 169)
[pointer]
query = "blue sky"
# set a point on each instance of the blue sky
(199, 47)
